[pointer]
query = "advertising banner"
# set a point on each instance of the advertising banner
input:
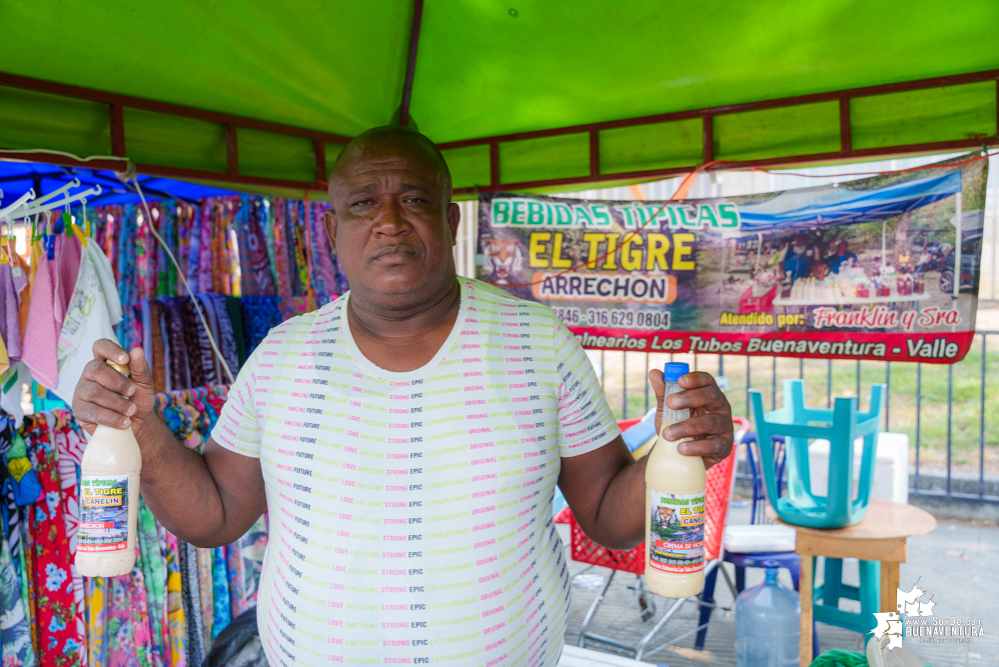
(883, 268)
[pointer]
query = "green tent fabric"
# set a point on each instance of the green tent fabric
(487, 68)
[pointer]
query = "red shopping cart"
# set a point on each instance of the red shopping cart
(718, 489)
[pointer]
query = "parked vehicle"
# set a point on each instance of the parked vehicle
(970, 267)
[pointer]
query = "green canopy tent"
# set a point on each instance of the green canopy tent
(520, 94)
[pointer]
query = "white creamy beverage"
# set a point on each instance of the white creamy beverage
(674, 508)
(109, 501)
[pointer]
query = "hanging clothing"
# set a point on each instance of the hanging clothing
(10, 390)
(129, 636)
(15, 627)
(207, 307)
(173, 323)
(206, 591)
(69, 256)
(176, 620)
(236, 580)
(222, 612)
(236, 317)
(324, 264)
(192, 604)
(253, 546)
(201, 367)
(10, 302)
(97, 641)
(41, 335)
(51, 292)
(15, 633)
(146, 315)
(154, 575)
(93, 311)
(260, 315)
(255, 264)
(23, 275)
(226, 335)
(165, 613)
(158, 348)
(70, 444)
(61, 642)
(4, 361)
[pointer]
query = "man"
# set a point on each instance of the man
(842, 259)
(799, 257)
(406, 439)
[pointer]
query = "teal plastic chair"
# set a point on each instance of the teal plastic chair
(799, 425)
(841, 426)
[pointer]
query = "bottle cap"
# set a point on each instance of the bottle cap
(118, 367)
(673, 371)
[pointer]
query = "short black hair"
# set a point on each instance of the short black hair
(411, 135)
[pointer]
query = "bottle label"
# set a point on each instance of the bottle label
(676, 538)
(103, 514)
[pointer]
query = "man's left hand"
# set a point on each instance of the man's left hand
(710, 425)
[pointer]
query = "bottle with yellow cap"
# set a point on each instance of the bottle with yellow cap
(674, 508)
(109, 501)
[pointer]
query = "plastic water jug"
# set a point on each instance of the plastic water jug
(766, 624)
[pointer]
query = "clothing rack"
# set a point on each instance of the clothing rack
(166, 612)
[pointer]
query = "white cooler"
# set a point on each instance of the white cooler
(573, 656)
(891, 467)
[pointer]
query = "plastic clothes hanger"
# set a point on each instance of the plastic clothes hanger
(26, 197)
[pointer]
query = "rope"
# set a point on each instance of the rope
(197, 306)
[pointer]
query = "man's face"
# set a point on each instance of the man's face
(390, 224)
(841, 248)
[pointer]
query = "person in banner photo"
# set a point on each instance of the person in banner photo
(800, 257)
(406, 440)
(855, 271)
(841, 257)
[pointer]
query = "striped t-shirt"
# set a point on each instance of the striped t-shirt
(410, 513)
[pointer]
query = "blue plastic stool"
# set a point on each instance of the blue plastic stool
(841, 427)
(826, 597)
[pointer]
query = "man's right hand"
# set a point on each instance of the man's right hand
(105, 396)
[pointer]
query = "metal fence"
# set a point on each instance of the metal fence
(947, 411)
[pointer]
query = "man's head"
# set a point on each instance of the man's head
(842, 248)
(392, 223)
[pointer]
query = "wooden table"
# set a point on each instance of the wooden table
(880, 536)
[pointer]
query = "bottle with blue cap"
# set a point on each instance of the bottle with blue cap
(674, 507)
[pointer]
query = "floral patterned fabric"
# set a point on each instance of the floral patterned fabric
(129, 641)
(220, 592)
(70, 443)
(153, 568)
(165, 613)
(236, 577)
(60, 638)
(97, 641)
(207, 591)
(176, 619)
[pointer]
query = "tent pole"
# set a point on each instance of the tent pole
(414, 42)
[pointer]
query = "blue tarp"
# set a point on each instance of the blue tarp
(828, 206)
(16, 178)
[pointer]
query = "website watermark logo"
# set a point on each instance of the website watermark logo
(914, 617)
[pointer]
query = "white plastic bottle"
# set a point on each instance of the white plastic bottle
(674, 508)
(109, 501)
